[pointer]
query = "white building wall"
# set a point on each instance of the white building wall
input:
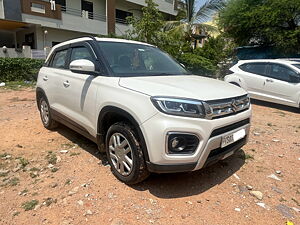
(69, 22)
(1, 10)
(163, 5)
(74, 4)
(55, 35)
(98, 5)
(121, 29)
(129, 7)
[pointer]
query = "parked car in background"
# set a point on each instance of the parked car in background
(141, 107)
(270, 80)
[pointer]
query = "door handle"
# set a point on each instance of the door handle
(45, 78)
(269, 80)
(66, 83)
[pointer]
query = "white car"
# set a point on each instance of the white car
(141, 107)
(273, 80)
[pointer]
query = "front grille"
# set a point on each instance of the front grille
(226, 107)
(230, 127)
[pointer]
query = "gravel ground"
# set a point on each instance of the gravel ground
(40, 183)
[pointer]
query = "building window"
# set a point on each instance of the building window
(122, 15)
(39, 8)
(87, 9)
(62, 3)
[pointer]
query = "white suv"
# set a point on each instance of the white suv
(273, 80)
(141, 107)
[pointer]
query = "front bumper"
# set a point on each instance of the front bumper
(209, 150)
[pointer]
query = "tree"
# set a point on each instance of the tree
(263, 22)
(194, 19)
(148, 27)
(217, 49)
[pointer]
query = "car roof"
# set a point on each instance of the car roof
(99, 39)
(94, 38)
(282, 61)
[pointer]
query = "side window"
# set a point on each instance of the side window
(281, 72)
(256, 68)
(59, 60)
(81, 53)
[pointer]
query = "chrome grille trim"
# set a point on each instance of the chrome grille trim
(226, 107)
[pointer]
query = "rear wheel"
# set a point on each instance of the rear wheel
(125, 155)
(45, 114)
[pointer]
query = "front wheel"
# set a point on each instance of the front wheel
(125, 155)
(45, 114)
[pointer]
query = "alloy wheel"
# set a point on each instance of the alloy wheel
(45, 112)
(120, 153)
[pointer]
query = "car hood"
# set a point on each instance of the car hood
(185, 86)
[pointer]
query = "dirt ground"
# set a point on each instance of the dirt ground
(42, 184)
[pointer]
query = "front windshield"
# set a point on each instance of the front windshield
(297, 65)
(127, 59)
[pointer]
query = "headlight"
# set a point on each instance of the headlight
(179, 107)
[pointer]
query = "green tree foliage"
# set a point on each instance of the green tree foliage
(148, 27)
(18, 69)
(264, 22)
(194, 19)
(218, 51)
(197, 64)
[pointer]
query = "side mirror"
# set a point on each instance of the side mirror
(82, 66)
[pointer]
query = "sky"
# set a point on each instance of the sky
(199, 3)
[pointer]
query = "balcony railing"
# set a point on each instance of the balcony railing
(83, 13)
(123, 21)
(41, 8)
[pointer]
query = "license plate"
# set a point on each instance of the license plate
(233, 137)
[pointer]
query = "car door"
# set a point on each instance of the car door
(279, 85)
(254, 75)
(80, 90)
(54, 78)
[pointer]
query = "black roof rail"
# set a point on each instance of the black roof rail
(89, 36)
(92, 37)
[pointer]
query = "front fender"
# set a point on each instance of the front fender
(236, 79)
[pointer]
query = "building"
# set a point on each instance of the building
(44, 23)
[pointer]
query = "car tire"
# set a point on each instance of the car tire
(125, 155)
(45, 114)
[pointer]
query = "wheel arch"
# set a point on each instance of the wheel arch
(112, 114)
(39, 93)
(236, 80)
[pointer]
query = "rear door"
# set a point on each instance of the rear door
(279, 85)
(254, 75)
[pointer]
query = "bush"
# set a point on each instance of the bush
(198, 65)
(19, 69)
